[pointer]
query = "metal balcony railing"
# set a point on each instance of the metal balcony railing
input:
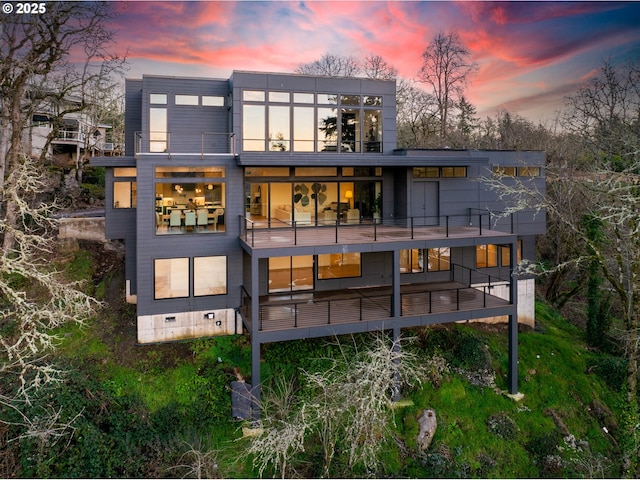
(258, 233)
(202, 143)
(69, 136)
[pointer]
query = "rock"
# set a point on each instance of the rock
(428, 424)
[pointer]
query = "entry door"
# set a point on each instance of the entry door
(426, 207)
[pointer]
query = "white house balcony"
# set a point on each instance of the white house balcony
(69, 137)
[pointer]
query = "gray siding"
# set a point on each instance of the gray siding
(192, 129)
(132, 114)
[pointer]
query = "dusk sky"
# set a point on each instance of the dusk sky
(530, 54)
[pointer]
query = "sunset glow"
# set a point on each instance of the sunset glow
(530, 54)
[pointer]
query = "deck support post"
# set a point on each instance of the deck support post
(396, 302)
(513, 320)
(255, 339)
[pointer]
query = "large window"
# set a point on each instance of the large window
(253, 128)
(124, 194)
(190, 200)
(124, 189)
(158, 135)
(486, 256)
(438, 260)
(337, 123)
(505, 250)
(290, 273)
(172, 275)
(279, 129)
(209, 276)
(280, 202)
(171, 278)
(338, 265)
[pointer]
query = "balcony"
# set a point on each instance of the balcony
(308, 310)
(202, 143)
(276, 233)
(69, 136)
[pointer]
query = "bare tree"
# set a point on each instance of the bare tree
(36, 68)
(332, 66)
(35, 298)
(604, 115)
(446, 69)
(346, 405)
(416, 117)
(374, 66)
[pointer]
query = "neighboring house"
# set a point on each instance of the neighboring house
(78, 135)
(278, 206)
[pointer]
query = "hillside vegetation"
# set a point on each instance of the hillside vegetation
(165, 410)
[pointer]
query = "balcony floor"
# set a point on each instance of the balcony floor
(314, 309)
(284, 235)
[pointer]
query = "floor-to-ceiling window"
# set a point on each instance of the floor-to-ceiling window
(276, 121)
(279, 196)
(290, 273)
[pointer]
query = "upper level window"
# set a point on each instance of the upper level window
(512, 171)
(253, 96)
(436, 172)
(350, 100)
(187, 100)
(212, 101)
(528, 171)
(158, 135)
(502, 170)
(457, 172)
(311, 123)
(486, 256)
(124, 172)
(327, 99)
(158, 98)
(372, 101)
(303, 98)
(279, 97)
(253, 128)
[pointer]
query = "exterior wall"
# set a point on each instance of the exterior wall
(132, 114)
(151, 246)
(526, 302)
(168, 327)
(191, 128)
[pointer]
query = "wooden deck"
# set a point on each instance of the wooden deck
(312, 309)
(283, 235)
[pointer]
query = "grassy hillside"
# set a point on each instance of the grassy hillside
(164, 410)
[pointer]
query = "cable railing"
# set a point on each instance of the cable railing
(202, 143)
(256, 232)
(362, 304)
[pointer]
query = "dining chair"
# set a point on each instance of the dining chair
(203, 218)
(174, 219)
(190, 219)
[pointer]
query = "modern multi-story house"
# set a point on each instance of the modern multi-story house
(278, 206)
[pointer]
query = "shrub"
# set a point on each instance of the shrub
(613, 370)
(502, 425)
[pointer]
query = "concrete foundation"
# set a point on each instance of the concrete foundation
(526, 302)
(170, 327)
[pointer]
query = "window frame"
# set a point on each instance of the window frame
(155, 277)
